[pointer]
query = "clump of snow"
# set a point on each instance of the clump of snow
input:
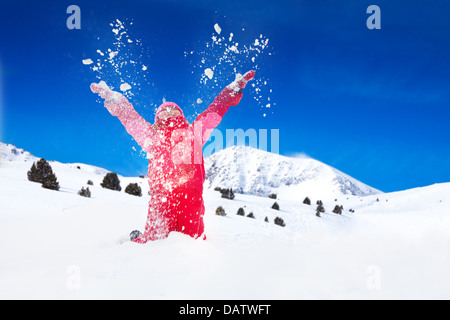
(87, 61)
(217, 28)
(112, 54)
(199, 100)
(209, 73)
(125, 86)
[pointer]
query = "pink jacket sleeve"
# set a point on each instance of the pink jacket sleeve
(211, 117)
(136, 126)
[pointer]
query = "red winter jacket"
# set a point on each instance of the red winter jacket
(174, 146)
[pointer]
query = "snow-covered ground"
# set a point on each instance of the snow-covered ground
(59, 245)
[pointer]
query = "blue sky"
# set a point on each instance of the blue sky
(374, 104)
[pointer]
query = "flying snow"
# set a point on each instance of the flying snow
(217, 28)
(125, 86)
(227, 55)
(209, 73)
(122, 63)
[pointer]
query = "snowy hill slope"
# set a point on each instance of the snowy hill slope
(59, 245)
(252, 171)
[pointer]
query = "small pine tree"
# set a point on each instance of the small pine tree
(227, 193)
(220, 211)
(266, 219)
(307, 201)
(241, 212)
(276, 206)
(338, 209)
(319, 209)
(272, 196)
(85, 192)
(134, 189)
(89, 182)
(50, 182)
(111, 181)
(39, 171)
(280, 222)
(251, 215)
(33, 174)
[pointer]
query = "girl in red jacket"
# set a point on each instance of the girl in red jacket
(176, 170)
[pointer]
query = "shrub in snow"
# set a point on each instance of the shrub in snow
(220, 211)
(338, 209)
(33, 174)
(227, 193)
(276, 206)
(319, 202)
(89, 182)
(111, 181)
(279, 221)
(251, 215)
(266, 219)
(42, 172)
(50, 182)
(319, 209)
(39, 171)
(218, 189)
(134, 189)
(85, 192)
(241, 212)
(272, 196)
(307, 201)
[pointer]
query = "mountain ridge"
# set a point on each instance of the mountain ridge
(252, 171)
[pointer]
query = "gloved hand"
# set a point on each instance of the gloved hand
(114, 101)
(232, 93)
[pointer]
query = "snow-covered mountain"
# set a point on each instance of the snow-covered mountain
(9, 152)
(252, 171)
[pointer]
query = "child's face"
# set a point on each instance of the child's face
(168, 113)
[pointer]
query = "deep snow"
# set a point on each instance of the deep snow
(59, 245)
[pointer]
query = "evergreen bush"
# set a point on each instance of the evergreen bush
(338, 209)
(227, 193)
(134, 189)
(220, 211)
(280, 222)
(39, 171)
(85, 192)
(111, 181)
(50, 182)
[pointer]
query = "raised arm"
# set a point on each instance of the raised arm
(120, 107)
(230, 96)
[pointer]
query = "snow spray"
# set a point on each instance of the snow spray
(224, 54)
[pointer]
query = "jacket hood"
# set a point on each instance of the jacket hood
(166, 105)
